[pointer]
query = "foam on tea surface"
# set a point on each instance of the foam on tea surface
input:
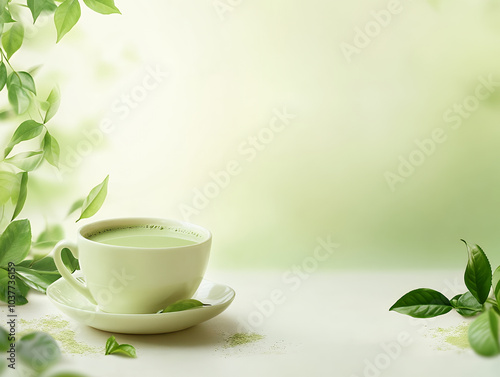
(148, 236)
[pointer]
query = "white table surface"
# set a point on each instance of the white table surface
(325, 324)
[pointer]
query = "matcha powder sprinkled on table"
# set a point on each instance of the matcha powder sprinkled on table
(453, 337)
(241, 338)
(61, 331)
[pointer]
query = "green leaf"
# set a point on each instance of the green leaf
(38, 6)
(466, 305)
(483, 334)
(5, 16)
(111, 344)
(19, 292)
(76, 205)
(66, 16)
(38, 351)
(51, 235)
(9, 184)
(15, 242)
(3, 75)
(33, 279)
(23, 192)
(69, 260)
(19, 99)
(4, 340)
(22, 79)
(477, 275)
(47, 267)
(182, 305)
(94, 201)
(422, 303)
(112, 347)
(26, 161)
(54, 100)
(27, 130)
(51, 150)
(44, 267)
(102, 6)
(496, 283)
(12, 39)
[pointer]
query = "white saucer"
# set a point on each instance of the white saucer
(73, 304)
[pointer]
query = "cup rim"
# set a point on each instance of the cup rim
(125, 221)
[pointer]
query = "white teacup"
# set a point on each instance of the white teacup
(130, 274)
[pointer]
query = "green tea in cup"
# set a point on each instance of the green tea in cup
(141, 236)
(137, 265)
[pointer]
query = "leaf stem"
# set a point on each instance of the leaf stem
(8, 62)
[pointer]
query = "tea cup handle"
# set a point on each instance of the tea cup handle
(66, 274)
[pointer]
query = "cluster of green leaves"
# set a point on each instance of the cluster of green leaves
(23, 97)
(32, 273)
(483, 332)
(113, 347)
(30, 145)
(36, 351)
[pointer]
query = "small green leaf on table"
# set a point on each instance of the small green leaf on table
(112, 347)
(422, 303)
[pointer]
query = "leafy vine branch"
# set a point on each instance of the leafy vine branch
(33, 270)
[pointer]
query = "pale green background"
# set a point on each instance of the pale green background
(322, 175)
